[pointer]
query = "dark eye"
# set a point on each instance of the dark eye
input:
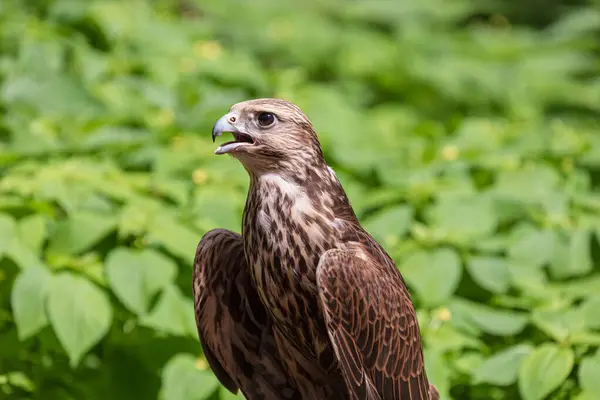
(266, 119)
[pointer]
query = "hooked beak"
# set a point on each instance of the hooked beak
(225, 124)
(222, 125)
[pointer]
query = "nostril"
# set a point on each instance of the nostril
(232, 119)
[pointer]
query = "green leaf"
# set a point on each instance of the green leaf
(23, 255)
(502, 368)
(80, 314)
(19, 380)
(589, 312)
(487, 319)
(438, 371)
(464, 219)
(137, 215)
(448, 338)
(576, 22)
(530, 246)
(573, 259)
(491, 273)
(559, 324)
(225, 207)
(7, 232)
(108, 136)
(532, 184)
(389, 224)
(183, 380)
(32, 231)
(79, 232)
(581, 288)
(137, 275)
(28, 298)
(41, 94)
(544, 370)
(585, 338)
(584, 395)
(529, 279)
(174, 314)
(469, 362)
(434, 275)
(589, 374)
(176, 238)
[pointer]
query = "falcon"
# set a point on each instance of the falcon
(304, 304)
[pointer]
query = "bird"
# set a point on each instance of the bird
(304, 303)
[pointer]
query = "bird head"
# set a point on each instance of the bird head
(269, 134)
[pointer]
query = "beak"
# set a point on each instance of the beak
(222, 125)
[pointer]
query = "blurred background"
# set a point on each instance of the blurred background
(465, 132)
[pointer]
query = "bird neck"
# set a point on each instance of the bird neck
(300, 169)
(309, 191)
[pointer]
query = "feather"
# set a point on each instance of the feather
(233, 326)
(375, 347)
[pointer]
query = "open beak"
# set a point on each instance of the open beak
(241, 141)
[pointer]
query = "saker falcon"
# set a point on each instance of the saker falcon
(304, 304)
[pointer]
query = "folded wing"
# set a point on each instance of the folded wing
(373, 327)
(234, 329)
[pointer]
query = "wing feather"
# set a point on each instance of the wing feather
(234, 329)
(373, 327)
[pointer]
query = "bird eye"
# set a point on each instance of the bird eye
(265, 119)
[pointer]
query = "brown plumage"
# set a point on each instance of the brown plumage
(305, 304)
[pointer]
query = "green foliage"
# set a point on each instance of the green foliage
(182, 380)
(501, 368)
(465, 133)
(135, 276)
(79, 312)
(543, 370)
(28, 300)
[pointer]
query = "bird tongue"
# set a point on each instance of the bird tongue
(227, 147)
(241, 139)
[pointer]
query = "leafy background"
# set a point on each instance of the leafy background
(465, 133)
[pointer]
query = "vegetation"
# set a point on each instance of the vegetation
(465, 133)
